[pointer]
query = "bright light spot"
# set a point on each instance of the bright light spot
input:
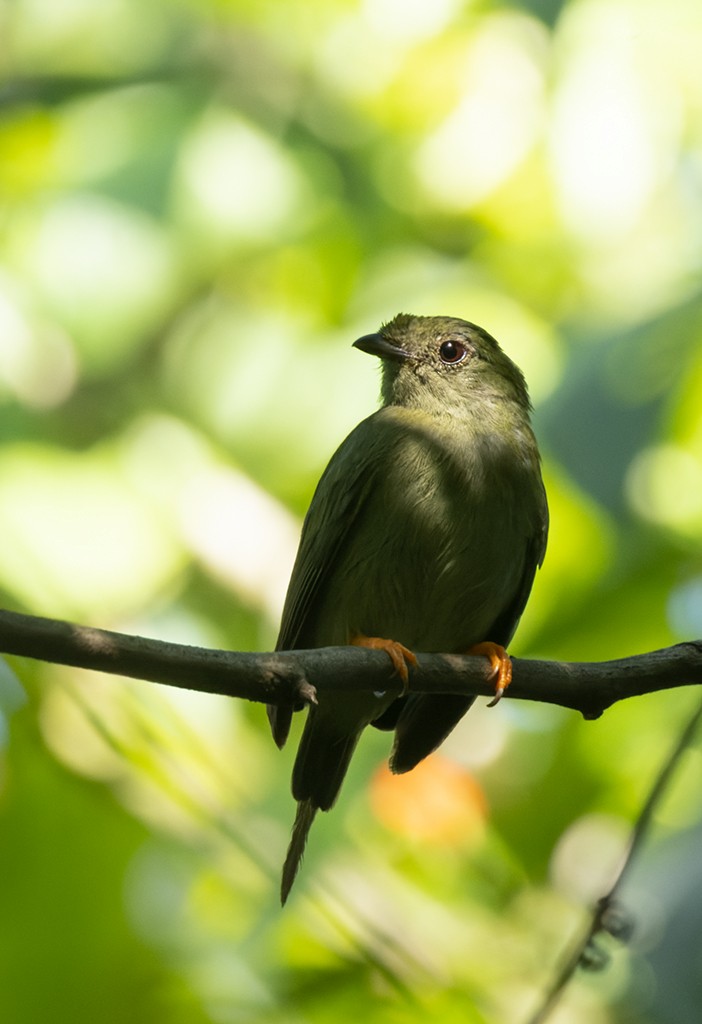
(353, 61)
(99, 133)
(655, 267)
(612, 130)
(75, 538)
(16, 340)
(37, 364)
(685, 608)
(408, 21)
(70, 733)
(479, 739)
(495, 123)
(215, 362)
(87, 244)
(105, 269)
(85, 36)
(239, 180)
(664, 485)
(242, 535)
(235, 528)
(588, 854)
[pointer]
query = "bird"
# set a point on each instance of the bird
(424, 534)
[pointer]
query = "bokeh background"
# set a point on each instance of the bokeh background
(202, 204)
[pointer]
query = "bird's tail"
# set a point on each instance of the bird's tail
(320, 766)
(306, 811)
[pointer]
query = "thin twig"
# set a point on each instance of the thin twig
(608, 915)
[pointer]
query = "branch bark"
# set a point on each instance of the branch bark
(290, 676)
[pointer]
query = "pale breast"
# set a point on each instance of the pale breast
(438, 552)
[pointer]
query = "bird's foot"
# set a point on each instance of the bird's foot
(400, 656)
(501, 664)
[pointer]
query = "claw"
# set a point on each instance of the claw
(501, 664)
(400, 656)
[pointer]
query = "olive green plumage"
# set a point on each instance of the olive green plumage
(426, 528)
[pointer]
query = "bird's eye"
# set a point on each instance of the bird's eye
(452, 352)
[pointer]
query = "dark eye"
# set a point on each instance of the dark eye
(451, 351)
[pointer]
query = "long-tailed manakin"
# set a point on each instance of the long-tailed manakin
(424, 534)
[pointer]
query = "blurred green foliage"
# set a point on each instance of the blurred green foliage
(202, 203)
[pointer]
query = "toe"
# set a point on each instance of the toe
(501, 664)
(400, 656)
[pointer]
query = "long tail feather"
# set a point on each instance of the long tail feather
(301, 827)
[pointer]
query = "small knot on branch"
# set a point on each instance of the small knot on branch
(288, 682)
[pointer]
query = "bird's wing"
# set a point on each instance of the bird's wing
(502, 630)
(340, 495)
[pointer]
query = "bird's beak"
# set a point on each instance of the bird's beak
(378, 345)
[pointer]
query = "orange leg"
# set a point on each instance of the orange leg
(501, 666)
(400, 656)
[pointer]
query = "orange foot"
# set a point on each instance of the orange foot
(501, 664)
(400, 656)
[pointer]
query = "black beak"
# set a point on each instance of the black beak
(378, 345)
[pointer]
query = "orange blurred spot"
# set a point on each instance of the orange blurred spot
(438, 801)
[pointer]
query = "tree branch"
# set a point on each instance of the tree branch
(290, 676)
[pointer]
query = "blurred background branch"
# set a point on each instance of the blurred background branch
(610, 917)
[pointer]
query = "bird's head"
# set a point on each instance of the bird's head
(441, 363)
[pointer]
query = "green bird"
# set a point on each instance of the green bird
(424, 534)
